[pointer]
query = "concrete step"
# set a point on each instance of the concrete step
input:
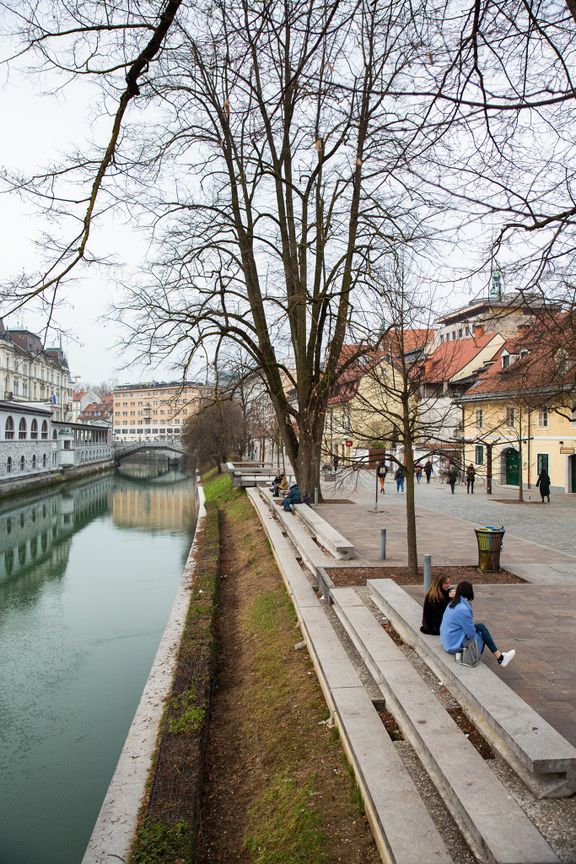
(498, 830)
(534, 749)
(309, 551)
(338, 546)
(403, 829)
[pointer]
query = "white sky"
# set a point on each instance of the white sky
(36, 129)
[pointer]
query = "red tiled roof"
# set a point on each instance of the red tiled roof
(452, 356)
(535, 360)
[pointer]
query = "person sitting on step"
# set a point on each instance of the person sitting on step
(458, 626)
(435, 602)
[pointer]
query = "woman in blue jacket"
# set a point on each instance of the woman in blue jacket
(458, 626)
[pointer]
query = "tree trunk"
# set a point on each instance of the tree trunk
(411, 540)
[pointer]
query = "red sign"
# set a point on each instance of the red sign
(348, 442)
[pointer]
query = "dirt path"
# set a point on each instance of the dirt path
(278, 787)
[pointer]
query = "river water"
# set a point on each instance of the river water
(87, 580)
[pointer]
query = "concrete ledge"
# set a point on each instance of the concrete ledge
(329, 537)
(402, 827)
(496, 827)
(310, 553)
(534, 749)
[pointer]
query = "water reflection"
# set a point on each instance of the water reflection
(87, 580)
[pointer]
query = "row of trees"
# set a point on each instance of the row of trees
(284, 159)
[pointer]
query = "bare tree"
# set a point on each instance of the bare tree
(272, 179)
(214, 434)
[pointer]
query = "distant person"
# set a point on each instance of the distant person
(452, 476)
(293, 496)
(428, 470)
(435, 602)
(418, 472)
(399, 477)
(279, 485)
(381, 472)
(543, 483)
(458, 626)
(470, 478)
(335, 462)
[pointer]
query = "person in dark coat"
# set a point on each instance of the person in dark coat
(452, 476)
(543, 484)
(428, 470)
(381, 472)
(470, 478)
(435, 602)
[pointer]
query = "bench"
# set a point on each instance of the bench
(542, 757)
(329, 537)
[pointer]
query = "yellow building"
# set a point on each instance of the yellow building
(520, 416)
(154, 412)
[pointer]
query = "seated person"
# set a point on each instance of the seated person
(458, 626)
(435, 602)
(279, 485)
(293, 497)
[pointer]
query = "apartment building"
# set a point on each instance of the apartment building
(155, 411)
(31, 373)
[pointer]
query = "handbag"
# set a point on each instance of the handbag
(469, 654)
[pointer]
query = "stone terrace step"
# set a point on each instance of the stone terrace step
(534, 749)
(403, 829)
(309, 551)
(496, 827)
(325, 534)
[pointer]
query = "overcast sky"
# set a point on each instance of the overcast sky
(36, 129)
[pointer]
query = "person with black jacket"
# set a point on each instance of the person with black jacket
(435, 602)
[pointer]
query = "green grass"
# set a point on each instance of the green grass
(162, 844)
(289, 825)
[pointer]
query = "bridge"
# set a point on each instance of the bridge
(123, 449)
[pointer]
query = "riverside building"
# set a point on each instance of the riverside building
(154, 412)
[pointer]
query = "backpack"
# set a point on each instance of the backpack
(469, 654)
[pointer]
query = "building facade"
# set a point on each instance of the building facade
(29, 372)
(154, 412)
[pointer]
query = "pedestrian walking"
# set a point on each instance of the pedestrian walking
(381, 472)
(428, 470)
(399, 477)
(452, 476)
(335, 462)
(470, 478)
(543, 484)
(418, 472)
(458, 627)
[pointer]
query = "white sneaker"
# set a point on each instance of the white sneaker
(507, 657)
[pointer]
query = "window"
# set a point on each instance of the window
(44, 432)
(22, 430)
(34, 430)
(510, 416)
(505, 361)
(543, 417)
(22, 463)
(33, 463)
(479, 414)
(542, 462)
(9, 464)
(67, 445)
(9, 429)
(44, 460)
(479, 454)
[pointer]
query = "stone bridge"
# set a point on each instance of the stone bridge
(123, 449)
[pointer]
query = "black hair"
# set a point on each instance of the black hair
(463, 589)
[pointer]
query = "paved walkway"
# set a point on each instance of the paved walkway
(538, 619)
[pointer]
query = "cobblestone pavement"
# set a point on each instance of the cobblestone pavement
(552, 525)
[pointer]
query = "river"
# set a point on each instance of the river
(88, 576)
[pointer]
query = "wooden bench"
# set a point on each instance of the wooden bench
(325, 534)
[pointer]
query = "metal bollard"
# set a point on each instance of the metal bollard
(383, 543)
(427, 572)
(316, 496)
